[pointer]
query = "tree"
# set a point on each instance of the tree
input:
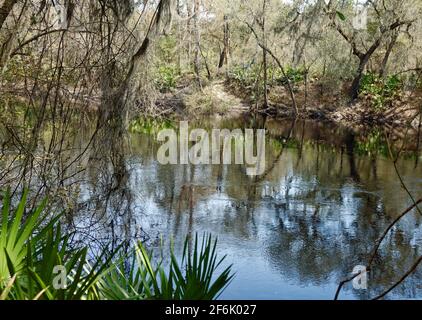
(388, 21)
(5, 10)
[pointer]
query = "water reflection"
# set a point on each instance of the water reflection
(293, 232)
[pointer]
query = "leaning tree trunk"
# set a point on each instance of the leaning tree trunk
(363, 61)
(364, 56)
(224, 56)
(9, 39)
(390, 47)
(354, 90)
(5, 9)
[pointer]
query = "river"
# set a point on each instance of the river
(294, 232)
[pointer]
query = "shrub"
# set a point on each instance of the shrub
(381, 92)
(31, 250)
(248, 75)
(149, 125)
(167, 77)
(372, 144)
(293, 75)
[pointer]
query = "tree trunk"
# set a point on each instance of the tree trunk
(288, 85)
(10, 40)
(197, 36)
(363, 61)
(189, 33)
(179, 36)
(350, 148)
(390, 47)
(264, 56)
(226, 43)
(204, 58)
(365, 56)
(354, 90)
(5, 9)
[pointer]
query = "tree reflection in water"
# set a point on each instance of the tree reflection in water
(293, 232)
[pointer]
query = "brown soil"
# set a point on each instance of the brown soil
(321, 104)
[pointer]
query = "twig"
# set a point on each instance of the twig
(377, 245)
(408, 273)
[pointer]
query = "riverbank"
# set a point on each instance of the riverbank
(223, 98)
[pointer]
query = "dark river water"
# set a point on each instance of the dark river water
(292, 233)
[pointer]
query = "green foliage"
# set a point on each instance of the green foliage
(192, 279)
(341, 15)
(196, 281)
(167, 77)
(381, 92)
(30, 251)
(14, 70)
(293, 75)
(248, 75)
(148, 125)
(373, 144)
(15, 233)
(167, 48)
(168, 73)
